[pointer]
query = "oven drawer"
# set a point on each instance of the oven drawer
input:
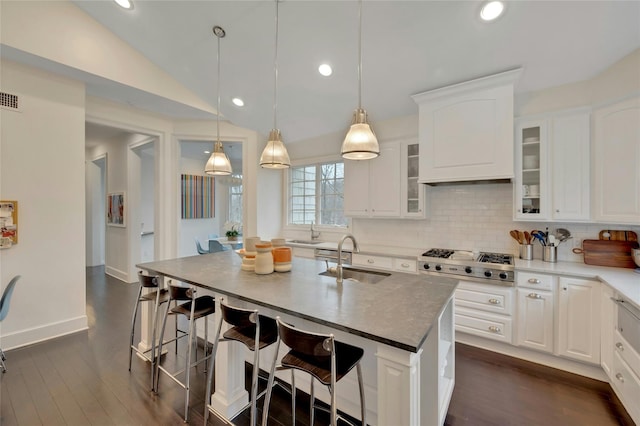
(495, 327)
(534, 280)
(485, 297)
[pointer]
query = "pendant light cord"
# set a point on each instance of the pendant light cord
(360, 54)
(275, 76)
(218, 110)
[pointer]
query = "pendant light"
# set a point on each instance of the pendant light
(218, 163)
(360, 143)
(275, 155)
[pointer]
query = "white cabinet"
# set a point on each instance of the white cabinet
(484, 310)
(570, 166)
(608, 321)
(372, 187)
(535, 319)
(466, 130)
(400, 264)
(552, 162)
(617, 163)
(412, 192)
(578, 334)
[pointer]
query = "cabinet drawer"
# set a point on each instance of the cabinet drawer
(626, 352)
(379, 262)
(627, 385)
(535, 280)
(485, 297)
(483, 324)
(405, 265)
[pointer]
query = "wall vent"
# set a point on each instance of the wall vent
(10, 102)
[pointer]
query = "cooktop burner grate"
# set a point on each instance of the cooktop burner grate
(439, 253)
(502, 259)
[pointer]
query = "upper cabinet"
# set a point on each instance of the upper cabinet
(412, 192)
(552, 155)
(466, 130)
(616, 151)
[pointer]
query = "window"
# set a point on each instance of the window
(316, 194)
(235, 201)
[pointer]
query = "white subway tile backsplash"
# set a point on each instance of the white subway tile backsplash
(470, 217)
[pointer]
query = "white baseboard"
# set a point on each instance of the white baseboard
(592, 371)
(38, 334)
(116, 273)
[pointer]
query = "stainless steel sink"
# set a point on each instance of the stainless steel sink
(359, 275)
(305, 242)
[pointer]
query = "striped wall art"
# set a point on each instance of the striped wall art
(198, 194)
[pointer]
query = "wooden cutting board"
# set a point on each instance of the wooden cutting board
(608, 253)
(607, 234)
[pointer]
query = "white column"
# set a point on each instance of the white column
(398, 386)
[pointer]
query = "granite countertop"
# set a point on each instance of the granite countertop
(623, 280)
(366, 249)
(398, 311)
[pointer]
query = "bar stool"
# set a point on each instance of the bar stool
(255, 332)
(321, 356)
(194, 309)
(157, 297)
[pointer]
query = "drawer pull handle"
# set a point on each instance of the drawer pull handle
(619, 377)
(494, 301)
(534, 296)
(534, 281)
(370, 261)
(620, 346)
(494, 329)
(405, 265)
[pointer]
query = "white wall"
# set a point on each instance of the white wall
(95, 196)
(42, 167)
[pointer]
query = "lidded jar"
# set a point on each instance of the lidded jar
(264, 258)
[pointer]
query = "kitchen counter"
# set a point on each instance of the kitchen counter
(368, 249)
(623, 280)
(404, 322)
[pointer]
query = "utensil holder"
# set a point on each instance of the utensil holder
(550, 254)
(526, 251)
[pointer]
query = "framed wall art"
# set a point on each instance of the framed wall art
(116, 209)
(8, 223)
(198, 195)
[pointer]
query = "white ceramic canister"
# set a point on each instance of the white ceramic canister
(250, 244)
(264, 259)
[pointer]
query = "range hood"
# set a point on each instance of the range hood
(469, 182)
(466, 131)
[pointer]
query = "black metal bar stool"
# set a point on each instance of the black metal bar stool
(157, 297)
(194, 309)
(321, 356)
(256, 332)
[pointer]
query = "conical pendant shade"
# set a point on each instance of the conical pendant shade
(275, 155)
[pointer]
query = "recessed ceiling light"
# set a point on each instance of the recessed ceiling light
(491, 10)
(207, 152)
(126, 4)
(325, 69)
(237, 102)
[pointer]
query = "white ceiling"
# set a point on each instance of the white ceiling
(408, 47)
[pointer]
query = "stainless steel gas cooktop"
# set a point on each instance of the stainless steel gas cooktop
(493, 268)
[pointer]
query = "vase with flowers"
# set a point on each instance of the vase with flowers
(232, 231)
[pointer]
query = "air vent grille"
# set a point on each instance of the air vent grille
(7, 100)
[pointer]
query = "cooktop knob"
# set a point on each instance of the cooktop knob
(468, 270)
(438, 267)
(487, 274)
(426, 266)
(503, 275)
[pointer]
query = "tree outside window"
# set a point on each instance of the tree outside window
(316, 194)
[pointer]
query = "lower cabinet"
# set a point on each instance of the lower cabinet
(608, 321)
(484, 310)
(535, 319)
(400, 264)
(579, 319)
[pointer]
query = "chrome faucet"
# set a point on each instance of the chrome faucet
(314, 234)
(356, 249)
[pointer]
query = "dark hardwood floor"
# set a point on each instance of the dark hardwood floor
(82, 379)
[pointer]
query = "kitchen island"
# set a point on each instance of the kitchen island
(403, 322)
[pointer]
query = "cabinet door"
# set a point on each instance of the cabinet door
(607, 329)
(412, 193)
(579, 319)
(384, 182)
(356, 188)
(570, 154)
(531, 194)
(535, 319)
(617, 163)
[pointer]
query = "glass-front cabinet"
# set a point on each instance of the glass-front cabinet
(531, 194)
(413, 193)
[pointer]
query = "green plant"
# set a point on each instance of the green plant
(232, 233)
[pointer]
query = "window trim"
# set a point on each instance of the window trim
(310, 161)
